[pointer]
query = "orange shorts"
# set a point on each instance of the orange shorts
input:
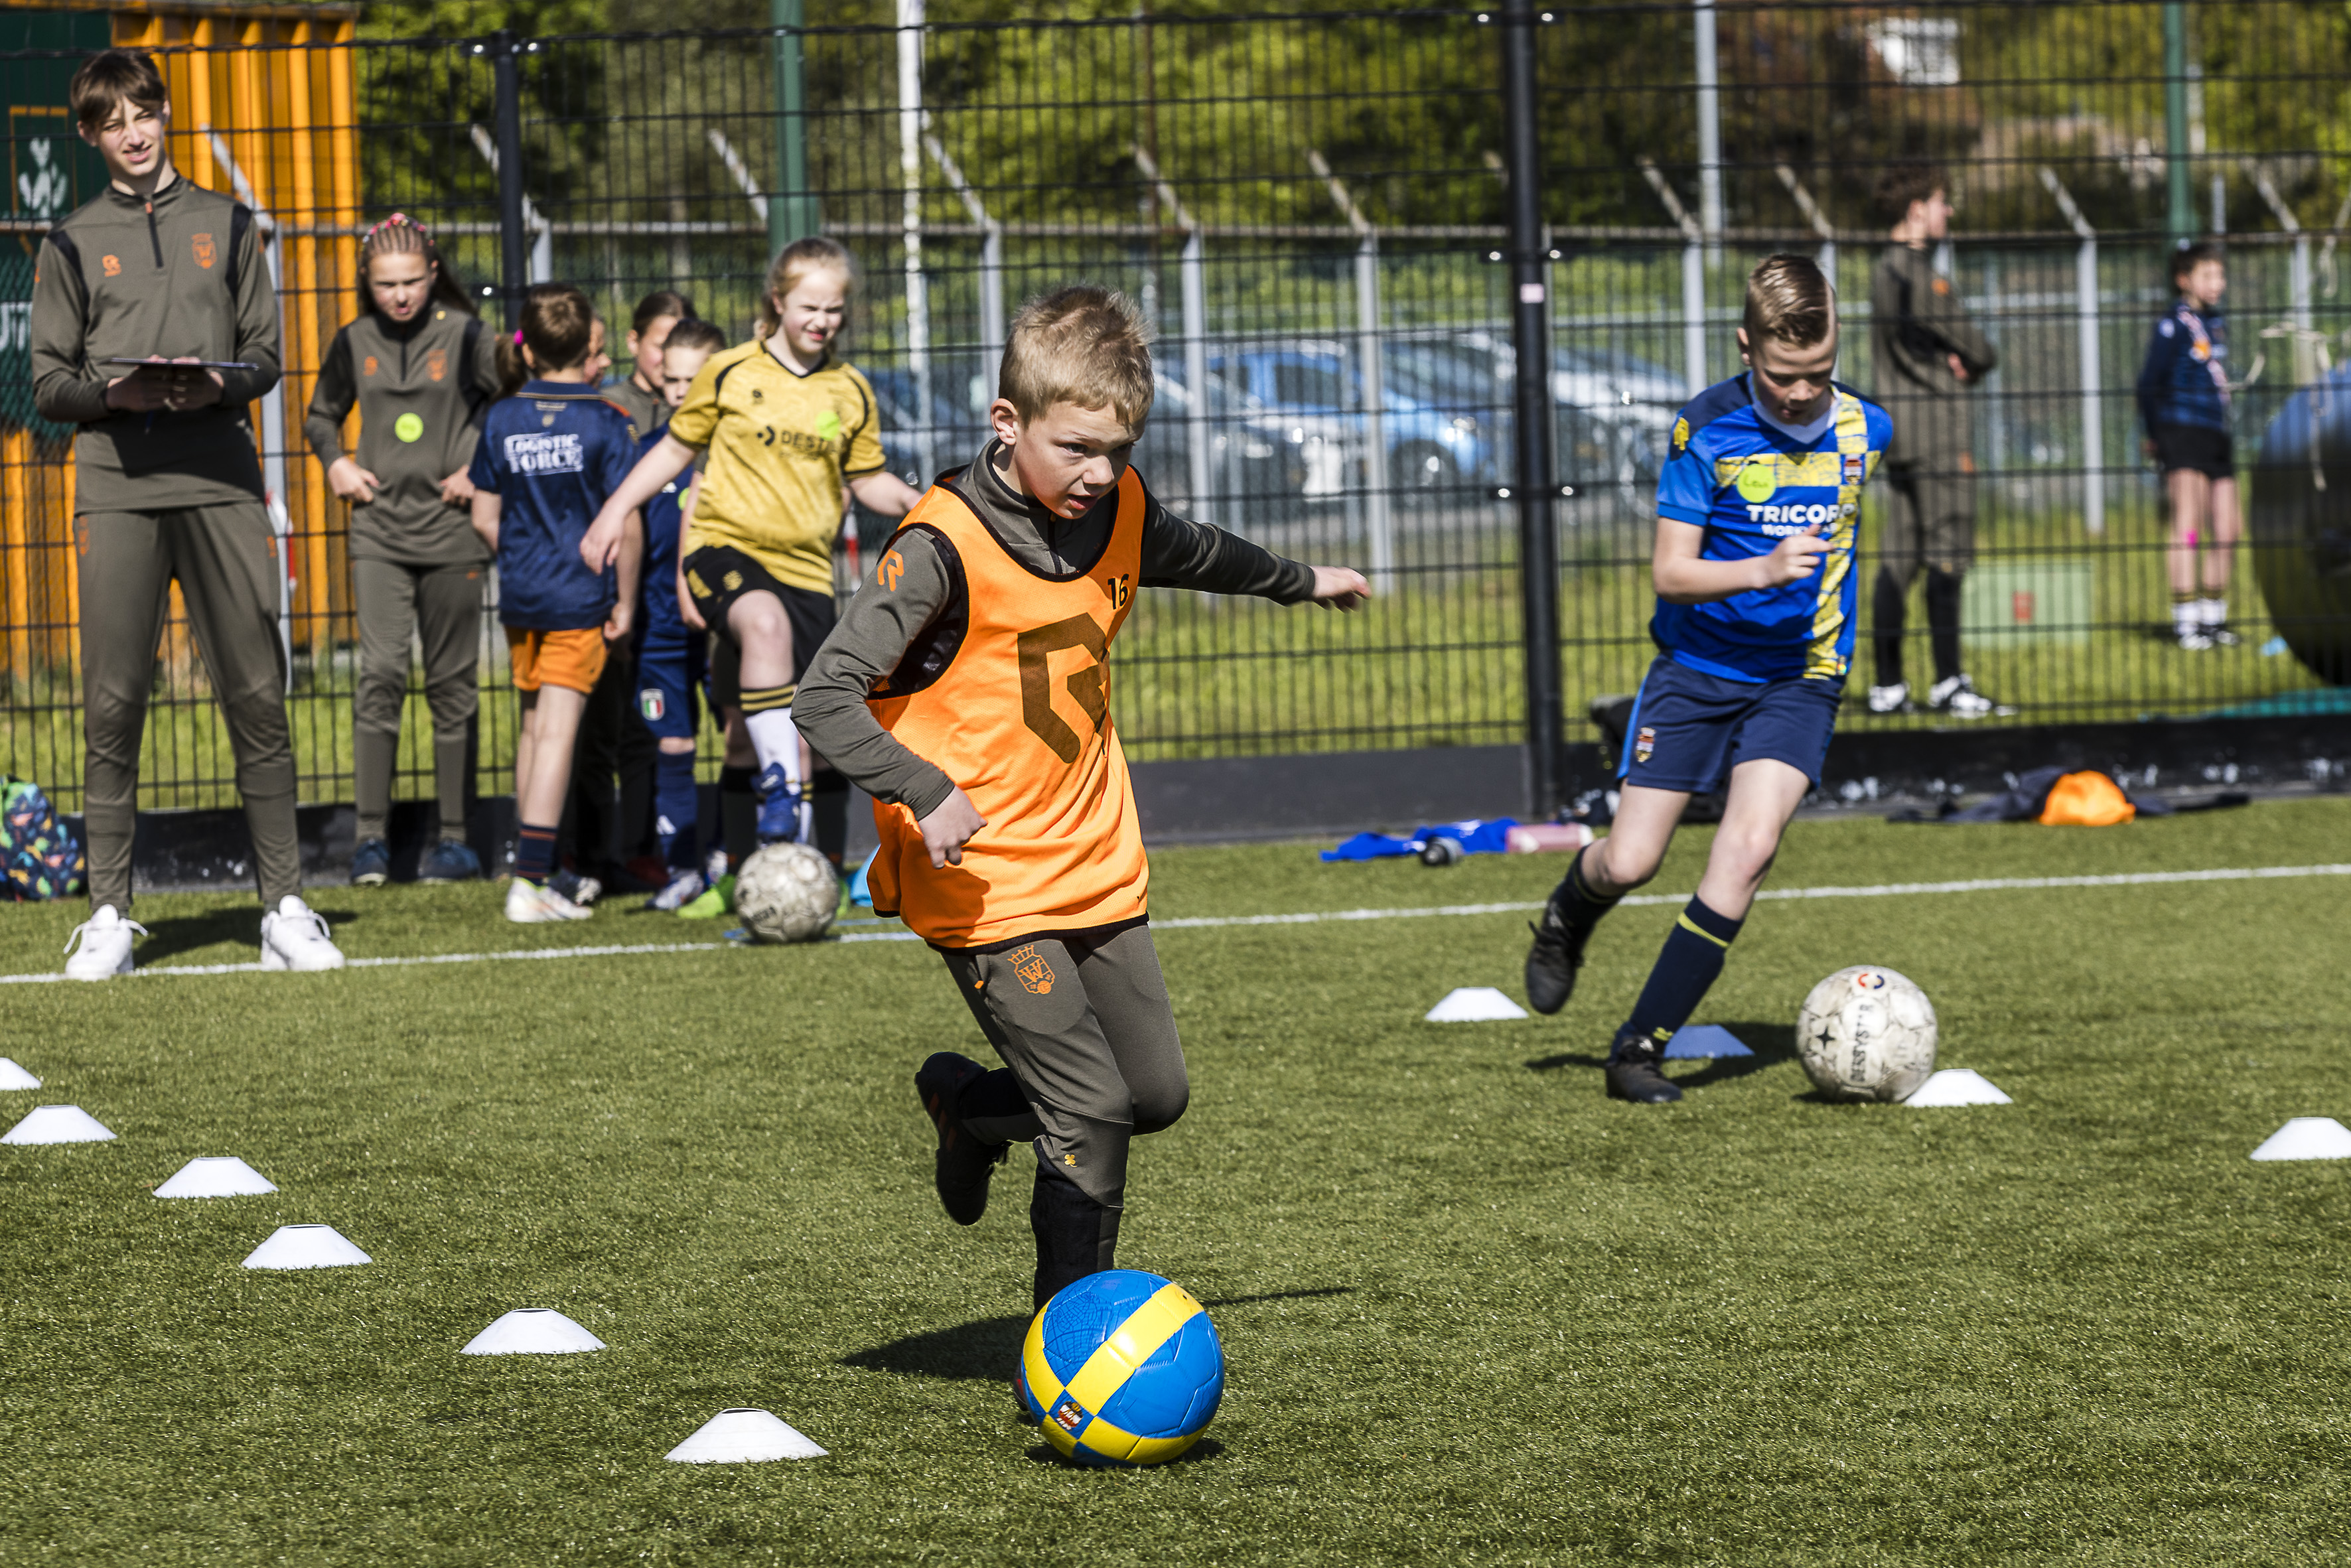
(572, 659)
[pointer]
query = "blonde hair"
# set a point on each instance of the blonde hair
(793, 263)
(1084, 344)
(1789, 298)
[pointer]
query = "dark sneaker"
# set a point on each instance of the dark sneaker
(370, 863)
(450, 860)
(1635, 1072)
(965, 1163)
(1553, 960)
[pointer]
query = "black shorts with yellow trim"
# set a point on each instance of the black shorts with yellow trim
(1688, 729)
(718, 575)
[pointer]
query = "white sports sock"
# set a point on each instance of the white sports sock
(2212, 611)
(777, 739)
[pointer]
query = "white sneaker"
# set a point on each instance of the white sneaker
(105, 945)
(684, 888)
(295, 938)
(1958, 697)
(1894, 699)
(2194, 639)
(528, 903)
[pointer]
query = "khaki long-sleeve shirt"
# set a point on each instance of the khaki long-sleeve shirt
(1917, 324)
(182, 273)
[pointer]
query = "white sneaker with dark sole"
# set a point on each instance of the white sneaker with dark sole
(105, 939)
(1894, 699)
(295, 939)
(1959, 698)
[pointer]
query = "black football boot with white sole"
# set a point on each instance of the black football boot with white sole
(1637, 1072)
(1553, 960)
(965, 1163)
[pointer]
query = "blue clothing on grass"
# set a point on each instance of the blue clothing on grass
(2185, 381)
(1750, 483)
(552, 454)
(1688, 729)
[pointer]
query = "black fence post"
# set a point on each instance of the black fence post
(1536, 483)
(513, 241)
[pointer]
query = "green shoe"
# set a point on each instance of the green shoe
(717, 900)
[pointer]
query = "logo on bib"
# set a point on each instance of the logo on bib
(409, 427)
(828, 425)
(1758, 483)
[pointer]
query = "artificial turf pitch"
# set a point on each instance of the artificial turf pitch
(1474, 1312)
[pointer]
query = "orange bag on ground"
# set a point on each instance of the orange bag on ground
(2086, 799)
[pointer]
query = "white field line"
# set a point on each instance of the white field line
(1327, 917)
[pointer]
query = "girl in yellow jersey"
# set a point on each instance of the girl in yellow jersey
(787, 426)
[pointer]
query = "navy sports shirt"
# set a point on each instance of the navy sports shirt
(552, 454)
(2185, 379)
(1751, 485)
(665, 516)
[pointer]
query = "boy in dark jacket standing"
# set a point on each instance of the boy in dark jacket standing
(134, 294)
(2183, 396)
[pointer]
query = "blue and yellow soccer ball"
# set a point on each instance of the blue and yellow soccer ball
(1122, 1369)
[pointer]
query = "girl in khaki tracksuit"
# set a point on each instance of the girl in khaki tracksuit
(419, 367)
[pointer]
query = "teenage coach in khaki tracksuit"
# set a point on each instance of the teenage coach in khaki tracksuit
(168, 486)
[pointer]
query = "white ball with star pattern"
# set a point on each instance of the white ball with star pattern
(787, 893)
(1867, 1033)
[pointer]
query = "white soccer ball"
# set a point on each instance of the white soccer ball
(787, 893)
(1867, 1033)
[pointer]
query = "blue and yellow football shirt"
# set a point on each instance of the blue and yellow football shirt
(1750, 483)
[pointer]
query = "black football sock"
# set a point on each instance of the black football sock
(1076, 1236)
(738, 814)
(1888, 610)
(1943, 621)
(994, 1109)
(829, 813)
(1580, 904)
(1692, 957)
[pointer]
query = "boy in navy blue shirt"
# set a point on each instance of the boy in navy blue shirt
(548, 457)
(1754, 565)
(2183, 396)
(672, 656)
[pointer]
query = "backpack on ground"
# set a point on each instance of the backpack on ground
(44, 859)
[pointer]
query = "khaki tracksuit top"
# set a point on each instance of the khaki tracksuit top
(126, 276)
(419, 389)
(1917, 323)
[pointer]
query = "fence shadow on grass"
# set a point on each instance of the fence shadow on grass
(1771, 1043)
(981, 1350)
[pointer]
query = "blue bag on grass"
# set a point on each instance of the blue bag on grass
(1476, 836)
(44, 858)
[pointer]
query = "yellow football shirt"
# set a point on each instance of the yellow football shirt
(781, 445)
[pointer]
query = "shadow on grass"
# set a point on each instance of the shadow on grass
(981, 1350)
(172, 936)
(1771, 1043)
(1205, 1449)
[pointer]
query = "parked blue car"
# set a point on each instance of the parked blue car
(1429, 448)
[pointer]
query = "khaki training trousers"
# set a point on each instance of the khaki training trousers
(225, 559)
(443, 606)
(1930, 522)
(1084, 1024)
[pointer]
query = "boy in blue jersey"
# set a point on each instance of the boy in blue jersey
(670, 654)
(2183, 396)
(549, 456)
(1756, 512)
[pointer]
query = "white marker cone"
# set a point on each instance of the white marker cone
(743, 1437)
(2307, 1138)
(15, 1077)
(306, 1246)
(216, 1175)
(533, 1331)
(1957, 1086)
(1474, 1004)
(58, 1124)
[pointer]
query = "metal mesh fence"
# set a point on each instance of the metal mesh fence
(1312, 208)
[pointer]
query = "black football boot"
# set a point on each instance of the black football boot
(1552, 961)
(1635, 1071)
(965, 1163)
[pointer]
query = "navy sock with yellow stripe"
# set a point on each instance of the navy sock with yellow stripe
(1692, 957)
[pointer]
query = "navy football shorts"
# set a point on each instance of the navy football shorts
(670, 672)
(1689, 729)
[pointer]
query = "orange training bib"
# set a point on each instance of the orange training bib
(1017, 712)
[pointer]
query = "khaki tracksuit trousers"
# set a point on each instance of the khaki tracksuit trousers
(442, 605)
(225, 559)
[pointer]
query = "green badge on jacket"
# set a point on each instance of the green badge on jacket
(409, 427)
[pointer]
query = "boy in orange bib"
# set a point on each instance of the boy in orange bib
(966, 689)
